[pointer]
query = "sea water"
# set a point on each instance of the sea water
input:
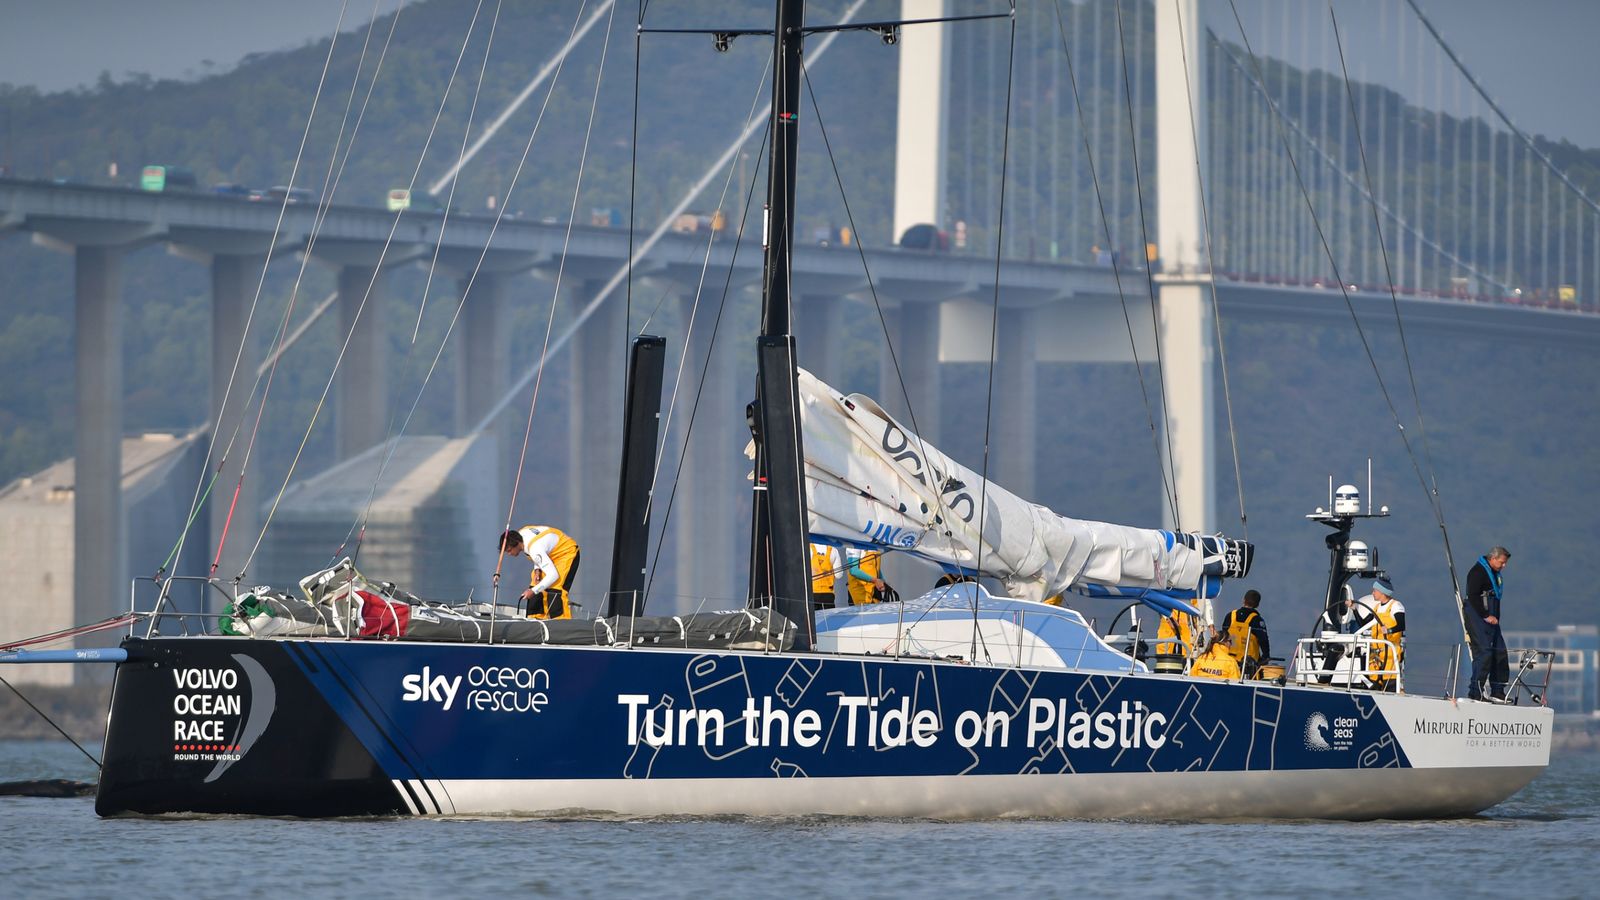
(1543, 843)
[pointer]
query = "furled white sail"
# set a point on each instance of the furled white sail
(870, 480)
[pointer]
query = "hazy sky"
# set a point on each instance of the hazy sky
(1536, 57)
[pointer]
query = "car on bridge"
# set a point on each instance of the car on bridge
(280, 193)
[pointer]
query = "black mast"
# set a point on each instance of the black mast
(780, 572)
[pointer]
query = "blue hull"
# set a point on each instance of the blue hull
(317, 727)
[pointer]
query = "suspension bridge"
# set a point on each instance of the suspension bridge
(1161, 171)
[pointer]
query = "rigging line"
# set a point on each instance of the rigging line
(653, 310)
(1344, 291)
(51, 722)
(1116, 273)
(1305, 138)
(317, 312)
(1522, 135)
(1433, 482)
(694, 308)
(555, 298)
(872, 288)
(994, 316)
(1149, 277)
(711, 347)
(277, 228)
(444, 222)
(330, 185)
(551, 65)
(477, 267)
(358, 528)
(633, 197)
(649, 244)
(1211, 268)
(355, 322)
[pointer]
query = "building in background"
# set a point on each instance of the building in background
(1575, 672)
(159, 472)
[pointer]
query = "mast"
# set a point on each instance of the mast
(780, 572)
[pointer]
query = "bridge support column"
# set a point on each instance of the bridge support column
(916, 330)
(1017, 399)
(98, 552)
(599, 370)
(921, 125)
(1187, 329)
(233, 282)
(710, 516)
(362, 414)
(482, 371)
(818, 318)
(1186, 336)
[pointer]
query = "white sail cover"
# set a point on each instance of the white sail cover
(871, 481)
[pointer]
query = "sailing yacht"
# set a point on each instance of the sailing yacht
(357, 699)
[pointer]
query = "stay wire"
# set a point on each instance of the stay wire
(1432, 486)
(694, 306)
(994, 317)
(1116, 273)
(366, 296)
(51, 723)
(461, 158)
(359, 527)
(1344, 290)
(1149, 278)
(633, 189)
(330, 186)
(711, 349)
(943, 511)
(1211, 269)
(555, 294)
(255, 301)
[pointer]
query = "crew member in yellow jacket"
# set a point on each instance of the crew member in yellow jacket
(1247, 631)
(554, 555)
(1217, 661)
(865, 574)
(1385, 620)
(1189, 628)
(825, 569)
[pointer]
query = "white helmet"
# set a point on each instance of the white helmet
(1346, 500)
(1356, 557)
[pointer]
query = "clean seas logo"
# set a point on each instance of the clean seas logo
(515, 689)
(1317, 732)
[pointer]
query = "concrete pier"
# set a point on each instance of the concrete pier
(360, 390)
(99, 560)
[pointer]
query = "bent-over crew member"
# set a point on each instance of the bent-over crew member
(554, 555)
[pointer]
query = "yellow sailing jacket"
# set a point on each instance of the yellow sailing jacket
(871, 562)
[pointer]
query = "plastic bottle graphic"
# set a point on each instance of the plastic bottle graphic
(719, 682)
(792, 686)
(643, 757)
(787, 769)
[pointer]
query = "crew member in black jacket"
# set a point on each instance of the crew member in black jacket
(1485, 586)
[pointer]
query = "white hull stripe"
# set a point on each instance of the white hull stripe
(1332, 793)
